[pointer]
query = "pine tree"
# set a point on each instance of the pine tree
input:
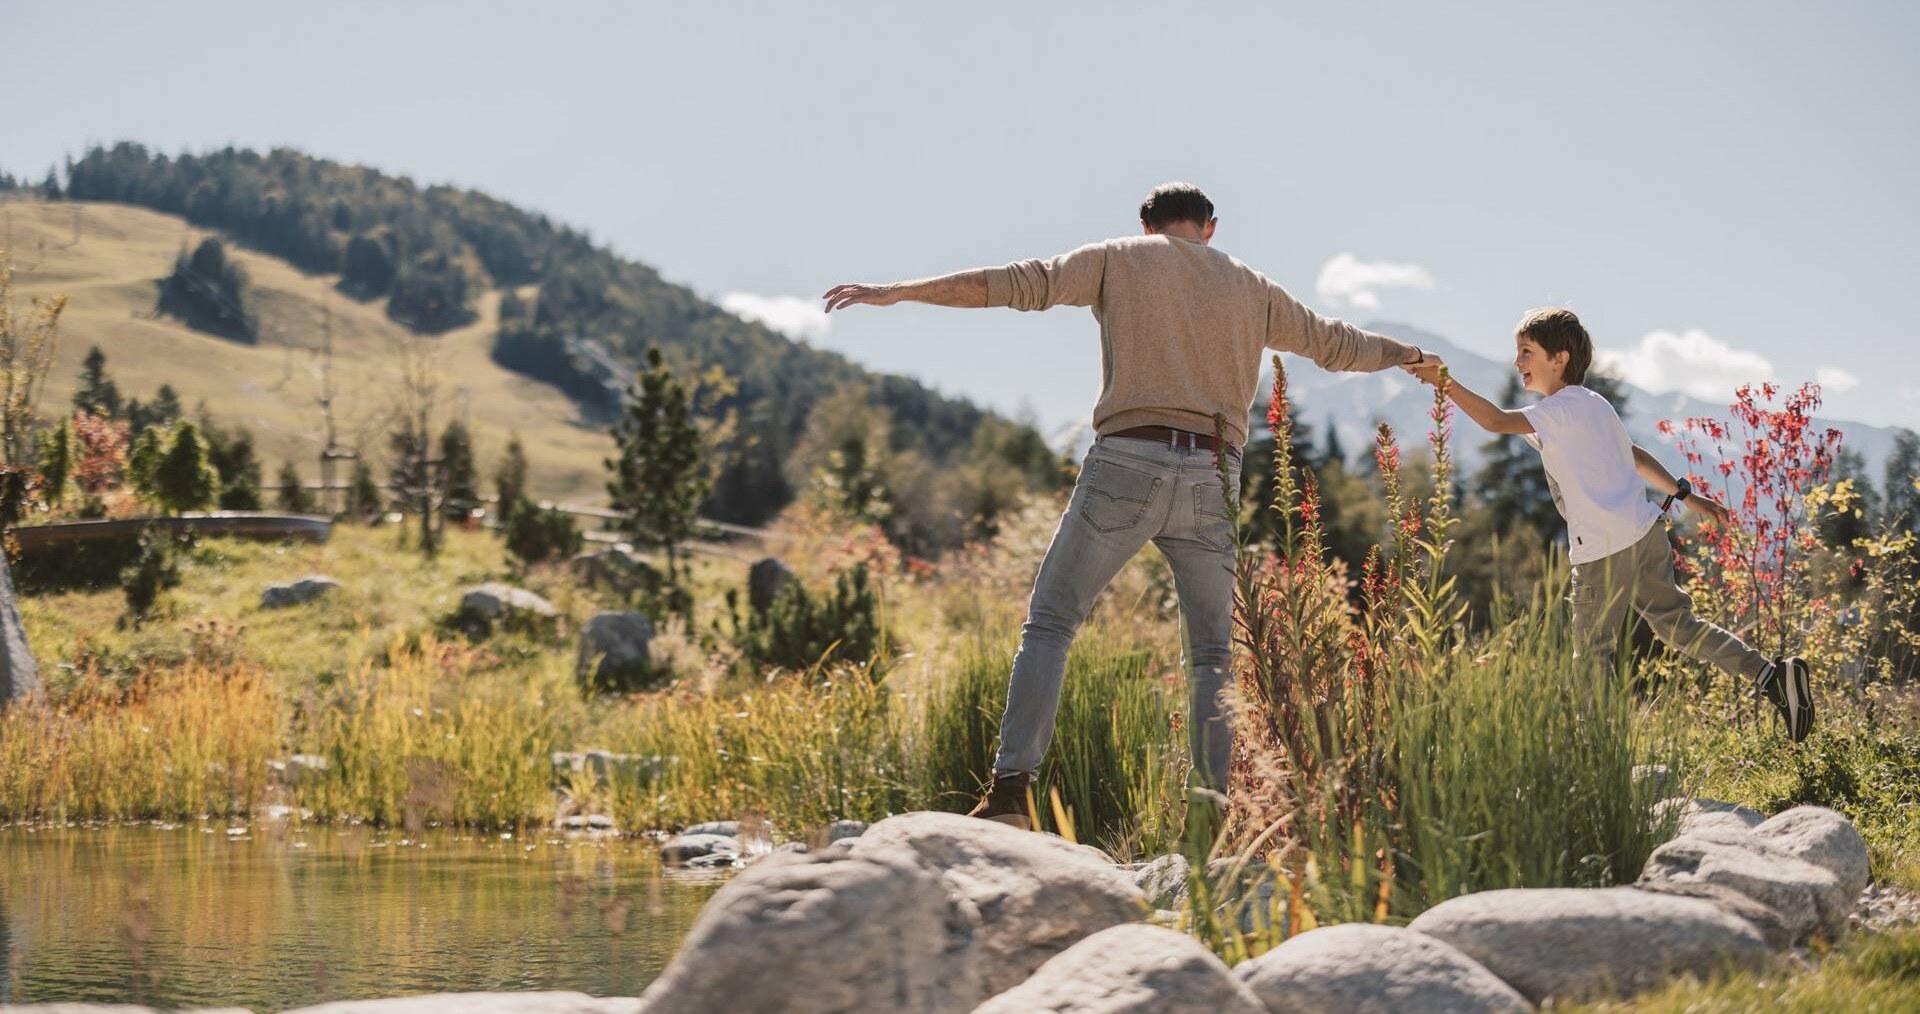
(459, 479)
(510, 481)
(1902, 485)
(98, 393)
(363, 493)
(294, 497)
(1513, 485)
(57, 456)
(238, 470)
(659, 479)
(184, 479)
(143, 462)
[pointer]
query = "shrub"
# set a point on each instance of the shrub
(153, 571)
(804, 630)
(535, 534)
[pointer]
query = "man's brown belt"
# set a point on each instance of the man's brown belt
(1172, 437)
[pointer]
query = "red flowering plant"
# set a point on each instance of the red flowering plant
(1752, 576)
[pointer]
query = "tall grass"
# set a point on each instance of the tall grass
(194, 743)
(1118, 756)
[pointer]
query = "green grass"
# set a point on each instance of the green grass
(1876, 973)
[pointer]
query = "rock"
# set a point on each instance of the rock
(482, 1003)
(1130, 969)
(1886, 907)
(730, 828)
(606, 767)
(1362, 969)
(299, 768)
(494, 602)
(613, 653)
(1036, 894)
(1824, 838)
(683, 848)
(835, 931)
(585, 822)
(19, 672)
(615, 568)
(1164, 880)
(1704, 814)
(765, 579)
(293, 593)
(1572, 943)
(840, 830)
(718, 861)
(82, 1007)
(1657, 778)
(1800, 899)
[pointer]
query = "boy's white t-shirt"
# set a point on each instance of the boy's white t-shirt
(1589, 462)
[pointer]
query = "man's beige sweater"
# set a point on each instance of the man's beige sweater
(1182, 327)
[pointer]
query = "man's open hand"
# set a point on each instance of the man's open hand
(842, 296)
(1427, 369)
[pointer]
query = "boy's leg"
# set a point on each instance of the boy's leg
(1669, 611)
(1601, 592)
(1199, 546)
(1117, 504)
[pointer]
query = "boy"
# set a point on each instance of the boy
(1620, 556)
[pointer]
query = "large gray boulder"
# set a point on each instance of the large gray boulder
(19, 673)
(614, 652)
(494, 602)
(1572, 943)
(293, 593)
(1362, 969)
(1131, 969)
(1708, 814)
(682, 848)
(1824, 838)
(831, 931)
(615, 568)
(765, 579)
(1036, 894)
(1798, 898)
(482, 1003)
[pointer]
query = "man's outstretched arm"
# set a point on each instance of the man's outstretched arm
(962, 288)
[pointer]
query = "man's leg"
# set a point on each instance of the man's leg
(1199, 547)
(1118, 502)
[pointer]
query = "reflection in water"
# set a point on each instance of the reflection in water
(269, 916)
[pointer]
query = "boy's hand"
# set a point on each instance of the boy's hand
(1427, 369)
(1711, 510)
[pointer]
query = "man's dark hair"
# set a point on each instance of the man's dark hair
(1175, 202)
(1556, 329)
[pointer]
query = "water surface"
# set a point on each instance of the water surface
(269, 915)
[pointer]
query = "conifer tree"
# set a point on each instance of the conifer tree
(659, 478)
(459, 479)
(294, 497)
(98, 393)
(57, 454)
(184, 479)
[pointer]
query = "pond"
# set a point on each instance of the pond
(268, 915)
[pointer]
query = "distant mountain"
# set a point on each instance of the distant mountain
(1354, 404)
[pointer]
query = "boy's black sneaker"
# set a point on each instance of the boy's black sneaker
(1786, 685)
(1005, 800)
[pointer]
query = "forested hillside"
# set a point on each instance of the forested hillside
(570, 314)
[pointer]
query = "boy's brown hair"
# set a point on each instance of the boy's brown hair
(1556, 329)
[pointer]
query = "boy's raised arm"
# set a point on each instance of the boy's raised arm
(1659, 478)
(1489, 416)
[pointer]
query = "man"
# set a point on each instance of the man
(1182, 331)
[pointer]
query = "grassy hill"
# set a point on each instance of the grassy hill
(271, 387)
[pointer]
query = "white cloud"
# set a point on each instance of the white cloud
(1350, 280)
(1691, 361)
(1834, 380)
(793, 316)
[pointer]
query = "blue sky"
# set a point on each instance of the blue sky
(1725, 191)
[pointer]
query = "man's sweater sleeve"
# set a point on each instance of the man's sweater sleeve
(1334, 344)
(1071, 279)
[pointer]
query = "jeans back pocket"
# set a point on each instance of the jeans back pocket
(1115, 497)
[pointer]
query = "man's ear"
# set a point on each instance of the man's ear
(1206, 232)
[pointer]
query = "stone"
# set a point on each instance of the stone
(482, 1003)
(614, 653)
(833, 931)
(606, 767)
(1130, 969)
(293, 593)
(1799, 898)
(1655, 778)
(682, 848)
(1705, 814)
(585, 822)
(841, 830)
(1575, 943)
(494, 602)
(1036, 894)
(616, 568)
(1364, 969)
(730, 828)
(19, 672)
(1824, 838)
(1164, 881)
(765, 579)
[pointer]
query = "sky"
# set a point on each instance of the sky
(1724, 191)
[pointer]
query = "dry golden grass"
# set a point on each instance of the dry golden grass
(271, 387)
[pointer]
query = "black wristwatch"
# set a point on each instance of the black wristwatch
(1683, 490)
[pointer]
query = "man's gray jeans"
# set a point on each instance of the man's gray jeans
(1130, 491)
